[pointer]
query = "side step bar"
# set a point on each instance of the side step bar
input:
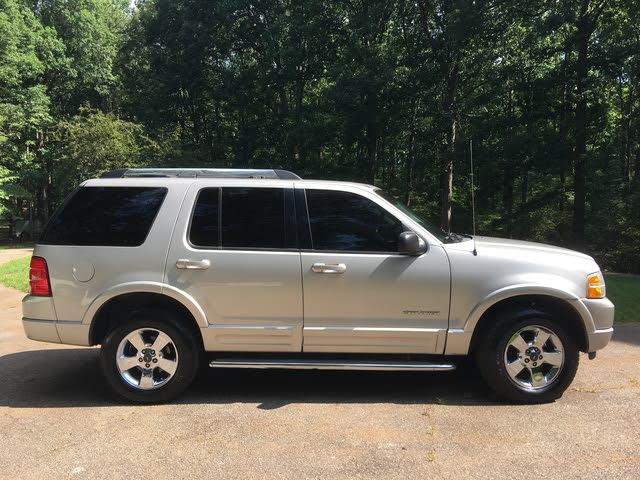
(332, 365)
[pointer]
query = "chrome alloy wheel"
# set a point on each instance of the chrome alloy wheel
(147, 358)
(534, 357)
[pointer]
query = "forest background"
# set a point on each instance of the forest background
(387, 92)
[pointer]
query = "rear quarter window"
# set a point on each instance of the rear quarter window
(105, 216)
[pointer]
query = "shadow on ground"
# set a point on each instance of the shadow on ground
(627, 333)
(72, 378)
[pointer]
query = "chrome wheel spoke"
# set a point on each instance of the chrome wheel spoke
(160, 342)
(135, 339)
(146, 381)
(518, 342)
(541, 338)
(553, 358)
(538, 379)
(167, 365)
(514, 368)
(127, 363)
(159, 358)
(543, 366)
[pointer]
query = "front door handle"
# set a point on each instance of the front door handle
(328, 268)
(187, 264)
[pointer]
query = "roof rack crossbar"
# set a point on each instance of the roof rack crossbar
(202, 172)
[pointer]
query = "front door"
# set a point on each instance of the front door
(235, 253)
(360, 295)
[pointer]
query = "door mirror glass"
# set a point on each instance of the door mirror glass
(411, 244)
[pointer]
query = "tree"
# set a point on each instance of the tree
(92, 143)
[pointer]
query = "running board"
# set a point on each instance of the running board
(332, 365)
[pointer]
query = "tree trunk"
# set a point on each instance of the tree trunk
(563, 128)
(411, 161)
(585, 28)
(449, 109)
(371, 138)
(507, 179)
(372, 143)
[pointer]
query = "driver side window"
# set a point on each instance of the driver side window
(345, 221)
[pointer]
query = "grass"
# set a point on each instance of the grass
(17, 245)
(624, 292)
(15, 274)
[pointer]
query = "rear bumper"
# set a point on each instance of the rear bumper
(71, 333)
(39, 323)
(41, 330)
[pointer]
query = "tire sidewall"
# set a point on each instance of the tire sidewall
(186, 345)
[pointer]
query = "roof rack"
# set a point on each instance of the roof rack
(202, 172)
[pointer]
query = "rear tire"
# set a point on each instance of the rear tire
(151, 357)
(527, 357)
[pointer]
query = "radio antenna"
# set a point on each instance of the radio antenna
(473, 201)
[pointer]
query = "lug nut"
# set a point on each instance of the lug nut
(535, 364)
(155, 360)
(540, 357)
(147, 365)
(140, 359)
(526, 360)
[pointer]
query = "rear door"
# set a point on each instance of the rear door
(234, 251)
(360, 294)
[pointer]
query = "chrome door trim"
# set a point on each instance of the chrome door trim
(376, 329)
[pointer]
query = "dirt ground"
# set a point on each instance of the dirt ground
(59, 420)
(12, 253)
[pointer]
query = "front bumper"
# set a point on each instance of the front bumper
(602, 313)
(599, 339)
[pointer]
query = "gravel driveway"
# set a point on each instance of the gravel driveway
(58, 420)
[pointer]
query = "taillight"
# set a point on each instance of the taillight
(39, 277)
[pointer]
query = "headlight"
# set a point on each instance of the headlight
(595, 286)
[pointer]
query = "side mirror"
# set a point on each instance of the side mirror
(411, 244)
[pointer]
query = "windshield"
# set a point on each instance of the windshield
(433, 230)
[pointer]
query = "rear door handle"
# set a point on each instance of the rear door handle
(188, 264)
(328, 268)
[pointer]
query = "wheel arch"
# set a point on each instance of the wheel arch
(460, 341)
(110, 308)
(560, 309)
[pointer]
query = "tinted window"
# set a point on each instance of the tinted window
(205, 224)
(254, 217)
(345, 221)
(109, 216)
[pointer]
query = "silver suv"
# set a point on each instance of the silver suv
(261, 269)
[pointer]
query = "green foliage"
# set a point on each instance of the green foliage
(92, 32)
(15, 274)
(624, 292)
(92, 143)
(10, 191)
(382, 91)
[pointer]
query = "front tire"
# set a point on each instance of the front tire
(527, 357)
(151, 358)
